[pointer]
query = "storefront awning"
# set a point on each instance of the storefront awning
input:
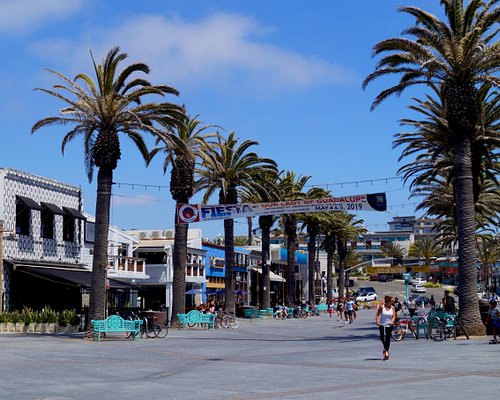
(52, 207)
(74, 213)
(29, 203)
(75, 277)
(272, 276)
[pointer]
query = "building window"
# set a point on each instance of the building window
(68, 228)
(47, 224)
(23, 217)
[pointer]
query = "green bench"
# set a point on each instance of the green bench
(195, 317)
(115, 323)
(322, 307)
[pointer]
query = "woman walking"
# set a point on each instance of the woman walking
(386, 314)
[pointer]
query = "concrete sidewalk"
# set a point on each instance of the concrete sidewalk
(315, 358)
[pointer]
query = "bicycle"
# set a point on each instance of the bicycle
(150, 327)
(401, 329)
(299, 312)
(225, 319)
(442, 325)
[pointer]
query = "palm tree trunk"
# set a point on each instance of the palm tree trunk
(311, 263)
(341, 254)
(229, 254)
(97, 298)
(179, 259)
(291, 235)
(249, 224)
(265, 223)
(329, 278)
(469, 313)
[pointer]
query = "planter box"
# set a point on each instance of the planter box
(31, 328)
(11, 327)
(71, 329)
(50, 327)
(38, 327)
(3, 327)
(20, 327)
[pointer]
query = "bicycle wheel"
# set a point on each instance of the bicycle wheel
(224, 322)
(163, 332)
(233, 322)
(303, 314)
(296, 313)
(398, 333)
(436, 329)
(129, 335)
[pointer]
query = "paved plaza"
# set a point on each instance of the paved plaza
(315, 358)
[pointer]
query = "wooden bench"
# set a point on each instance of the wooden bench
(115, 323)
(195, 317)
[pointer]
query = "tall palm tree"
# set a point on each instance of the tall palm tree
(339, 229)
(312, 223)
(456, 55)
(100, 111)
(267, 193)
(394, 251)
(181, 146)
(227, 165)
(291, 188)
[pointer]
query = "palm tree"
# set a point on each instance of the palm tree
(290, 188)
(312, 223)
(227, 165)
(455, 55)
(425, 249)
(394, 251)
(181, 146)
(268, 193)
(339, 228)
(100, 111)
(488, 253)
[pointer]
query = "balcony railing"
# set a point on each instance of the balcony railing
(121, 265)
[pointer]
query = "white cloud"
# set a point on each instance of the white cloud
(225, 49)
(20, 15)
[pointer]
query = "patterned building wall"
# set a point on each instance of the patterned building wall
(33, 247)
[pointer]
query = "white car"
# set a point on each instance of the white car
(418, 289)
(417, 281)
(371, 296)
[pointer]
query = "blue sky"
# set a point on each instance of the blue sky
(285, 73)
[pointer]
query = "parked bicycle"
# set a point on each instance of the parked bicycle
(442, 325)
(150, 327)
(226, 319)
(299, 312)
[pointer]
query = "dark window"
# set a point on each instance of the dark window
(68, 228)
(23, 217)
(47, 224)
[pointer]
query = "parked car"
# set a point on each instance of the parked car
(417, 281)
(371, 296)
(418, 289)
(385, 278)
(364, 290)
(374, 277)
(422, 300)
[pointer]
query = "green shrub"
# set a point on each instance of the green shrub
(14, 317)
(436, 285)
(4, 317)
(28, 315)
(68, 317)
(48, 316)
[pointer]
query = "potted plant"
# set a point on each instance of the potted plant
(49, 320)
(4, 318)
(28, 318)
(69, 321)
(15, 324)
(38, 322)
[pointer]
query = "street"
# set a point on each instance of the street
(314, 358)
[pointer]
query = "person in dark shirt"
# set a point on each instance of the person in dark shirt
(449, 303)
